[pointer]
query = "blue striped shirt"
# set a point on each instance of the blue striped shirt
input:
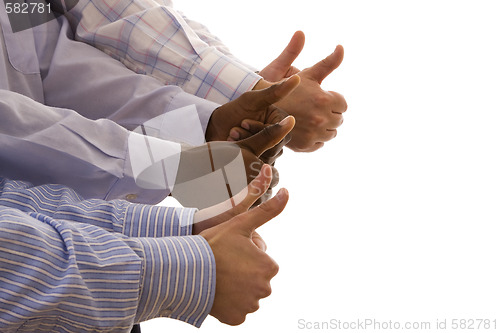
(73, 265)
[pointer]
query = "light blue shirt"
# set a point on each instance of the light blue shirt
(67, 110)
(74, 265)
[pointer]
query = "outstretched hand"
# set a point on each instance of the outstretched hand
(211, 173)
(240, 203)
(255, 104)
(318, 112)
(243, 269)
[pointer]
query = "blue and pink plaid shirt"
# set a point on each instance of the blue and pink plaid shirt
(154, 39)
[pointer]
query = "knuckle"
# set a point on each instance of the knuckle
(331, 135)
(266, 290)
(270, 268)
(253, 307)
(339, 102)
(323, 99)
(316, 120)
(236, 320)
(337, 120)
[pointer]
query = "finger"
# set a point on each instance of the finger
(322, 69)
(276, 177)
(257, 187)
(256, 100)
(254, 218)
(270, 156)
(274, 71)
(259, 241)
(238, 133)
(291, 51)
(243, 200)
(269, 137)
(253, 126)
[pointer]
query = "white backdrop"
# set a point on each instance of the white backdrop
(397, 219)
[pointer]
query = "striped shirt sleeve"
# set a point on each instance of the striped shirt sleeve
(62, 203)
(155, 39)
(60, 275)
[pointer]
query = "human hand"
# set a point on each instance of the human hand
(211, 173)
(243, 270)
(255, 104)
(318, 112)
(239, 203)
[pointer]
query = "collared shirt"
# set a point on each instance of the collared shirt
(152, 38)
(74, 265)
(68, 111)
(71, 265)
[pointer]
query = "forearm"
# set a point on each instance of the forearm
(210, 39)
(175, 55)
(84, 79)
(95, 157)
(116, 216)
(55, 273)
(77, 275)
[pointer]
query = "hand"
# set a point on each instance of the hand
(318, 112)
(240, 203)
(243, 271)
(281, 67)
(256, 104)
(211, 173)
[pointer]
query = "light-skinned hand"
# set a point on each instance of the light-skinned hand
(318, 113)
(243, 270)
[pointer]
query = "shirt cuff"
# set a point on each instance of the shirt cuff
(157, 221)
(178, 279)
(194, 117)
(220, 79)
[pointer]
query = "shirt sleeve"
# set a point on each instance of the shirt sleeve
(58, 274)
(44, 144)
(210, 39)
(116, 216)
(156, 40)
(81, 78)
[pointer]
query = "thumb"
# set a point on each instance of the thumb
(279, 67)
(251, 220)
(269, 137)
(260, 99)
(322, 69)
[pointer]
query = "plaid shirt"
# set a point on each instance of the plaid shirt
(156, 40)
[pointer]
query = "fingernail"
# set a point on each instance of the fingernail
(285, 121)
(245, 125)
(234, 134)
(282, 194)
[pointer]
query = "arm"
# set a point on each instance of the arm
(50, 145)
(318, 112)
(205, 35)
(150, 277)
(156, 40)
(81, 78)
(57, 272)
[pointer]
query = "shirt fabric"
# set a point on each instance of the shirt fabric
(74, 265)
(68, 111)
(152, 38)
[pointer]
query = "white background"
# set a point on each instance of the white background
(398, 217)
